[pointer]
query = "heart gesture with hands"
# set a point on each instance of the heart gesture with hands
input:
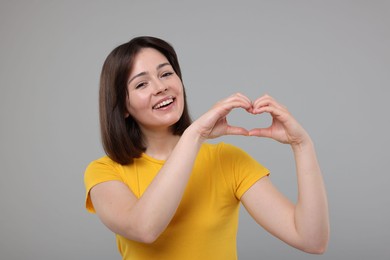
(284, 127)
(214, 124)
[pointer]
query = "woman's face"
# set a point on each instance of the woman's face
(155, 92)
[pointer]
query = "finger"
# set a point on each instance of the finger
(225, 108)
(244, 98)
(261, 102)
(234, 130)
(235, 102)
(274, 111)
(267, 106)
(266, 100)
(260, 132)
(240, 97)
(262, 98)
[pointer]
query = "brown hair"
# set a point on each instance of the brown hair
(122, 138)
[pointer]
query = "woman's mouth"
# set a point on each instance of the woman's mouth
(164, 103)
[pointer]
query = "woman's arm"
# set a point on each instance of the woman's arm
(306, 224)
(144, 219)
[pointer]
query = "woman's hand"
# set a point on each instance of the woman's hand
(214, 124)
(284, 127)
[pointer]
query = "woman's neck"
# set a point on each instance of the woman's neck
(159, 145)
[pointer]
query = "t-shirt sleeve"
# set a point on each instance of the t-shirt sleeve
(240, 169)
(99, 171)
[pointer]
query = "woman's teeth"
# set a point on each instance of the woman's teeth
(164, 103)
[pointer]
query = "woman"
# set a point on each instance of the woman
(165, 192)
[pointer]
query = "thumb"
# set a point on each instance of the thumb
(261, 132)
(234, 130)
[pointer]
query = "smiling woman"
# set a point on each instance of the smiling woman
(155, 92)
(121, 136)
(165, 192)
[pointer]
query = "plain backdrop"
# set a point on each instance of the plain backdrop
(327, 61)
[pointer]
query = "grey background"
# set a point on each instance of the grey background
(327, 61)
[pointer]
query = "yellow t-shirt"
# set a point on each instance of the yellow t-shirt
(206, 221)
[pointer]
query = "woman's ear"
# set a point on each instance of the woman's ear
(127, 113)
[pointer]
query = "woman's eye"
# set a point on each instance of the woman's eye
(140, 85)
(166, 74)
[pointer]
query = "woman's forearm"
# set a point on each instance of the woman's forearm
(156, 207)
(311, 212)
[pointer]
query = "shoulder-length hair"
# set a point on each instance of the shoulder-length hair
(122, 138)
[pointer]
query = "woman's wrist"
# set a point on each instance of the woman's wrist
(304, 144)
(193, 134)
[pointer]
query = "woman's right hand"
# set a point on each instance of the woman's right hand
(214, 124)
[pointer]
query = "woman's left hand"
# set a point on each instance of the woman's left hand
(284, 127)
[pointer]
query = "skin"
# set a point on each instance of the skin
(304, 225)
(152, 80)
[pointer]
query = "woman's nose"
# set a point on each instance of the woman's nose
(159, 87)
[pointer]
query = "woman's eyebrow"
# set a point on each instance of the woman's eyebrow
(145, 73)
(163, 64)
(136, 76)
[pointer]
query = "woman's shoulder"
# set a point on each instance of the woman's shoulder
(103, 162)
(220, 146)
(221, 149)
